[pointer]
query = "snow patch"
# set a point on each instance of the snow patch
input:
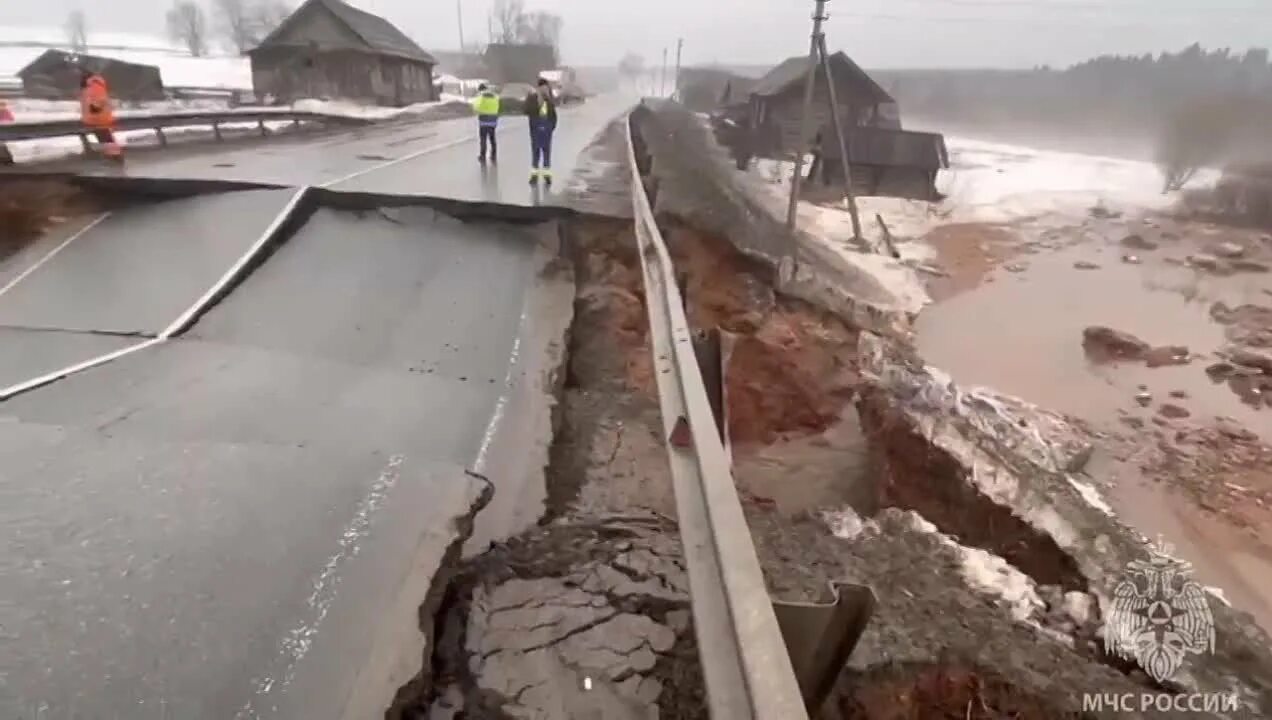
(1218, 593)
(846, 524)
(1091, 496)
(990, 574)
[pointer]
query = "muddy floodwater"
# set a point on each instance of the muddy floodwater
(1020, 331)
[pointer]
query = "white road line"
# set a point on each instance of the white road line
(178, 324)
(51, 253)
(201, 304)
(404, 158)
(6, 393)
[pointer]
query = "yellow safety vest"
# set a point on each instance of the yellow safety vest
(486, 104)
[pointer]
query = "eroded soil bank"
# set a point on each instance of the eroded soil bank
(993, 563)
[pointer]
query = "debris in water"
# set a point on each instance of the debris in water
(1172, 411)
(1138, 242)
(1144, 398)
(1131, 259)
(1229, 250)
(1252, 359)
(1085, 265)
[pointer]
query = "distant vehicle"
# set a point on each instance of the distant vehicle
(565, 85)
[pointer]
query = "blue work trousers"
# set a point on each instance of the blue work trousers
(541, 144)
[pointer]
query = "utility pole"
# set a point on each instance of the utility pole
(459, 15)
(818, 57)
(680, 46)
(662, 76)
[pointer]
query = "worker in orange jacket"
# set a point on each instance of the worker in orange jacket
(96, 113)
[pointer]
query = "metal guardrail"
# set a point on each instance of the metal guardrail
(748, 673)
(16, 131)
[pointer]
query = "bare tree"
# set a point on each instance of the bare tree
(542, 28)
(267, 15)
(507, 18)
(234, 23)
(187, 26)
(77, 31)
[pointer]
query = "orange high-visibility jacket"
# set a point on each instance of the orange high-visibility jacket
(95, 110)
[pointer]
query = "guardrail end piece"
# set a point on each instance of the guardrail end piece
(820, 636)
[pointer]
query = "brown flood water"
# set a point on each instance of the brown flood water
(1022, 334)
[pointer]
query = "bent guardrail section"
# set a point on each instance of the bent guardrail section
(18, 131)
(748, 673)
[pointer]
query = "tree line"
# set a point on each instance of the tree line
(236, 24)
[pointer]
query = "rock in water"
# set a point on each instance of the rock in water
(1252, 359)
(1167, 355)
(1138, 242)
(1105, 343)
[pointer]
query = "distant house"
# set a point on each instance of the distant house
(55, 75)
(701, 88)
(329, 49)
(459, 64)
(509, 63)
(776, 101)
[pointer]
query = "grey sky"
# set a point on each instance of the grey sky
(879, 33)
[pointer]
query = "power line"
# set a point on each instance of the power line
(1084, 5)
(1085, 22)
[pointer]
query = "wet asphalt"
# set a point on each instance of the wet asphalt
(217, 526)
(402, 158)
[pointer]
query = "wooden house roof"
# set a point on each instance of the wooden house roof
(848, 74)
(379, 35)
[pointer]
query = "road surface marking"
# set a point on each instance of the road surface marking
(497, 415)
(404, 158)
(6, 393)
(200, 305)
(51, 253)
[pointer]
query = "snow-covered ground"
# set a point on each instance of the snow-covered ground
(997, 183)
(20, 45)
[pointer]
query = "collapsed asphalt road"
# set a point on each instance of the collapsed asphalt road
(243, 519)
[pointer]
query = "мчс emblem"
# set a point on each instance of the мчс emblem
(1159, 615)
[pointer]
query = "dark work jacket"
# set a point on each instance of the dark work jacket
(541, 110)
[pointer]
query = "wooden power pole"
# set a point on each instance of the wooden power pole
(662, 76)
(818, 57)
(459, 14)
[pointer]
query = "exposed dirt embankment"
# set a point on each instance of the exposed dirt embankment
(29, 208)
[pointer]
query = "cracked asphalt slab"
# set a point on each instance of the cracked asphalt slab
(244, 522)
(141, 267)
(584, 618)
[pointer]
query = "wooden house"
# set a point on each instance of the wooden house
(777, 100)
(330, 49)
(55, 75)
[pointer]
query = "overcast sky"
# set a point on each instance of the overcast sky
(878, 33)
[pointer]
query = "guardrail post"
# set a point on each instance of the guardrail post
(84, 141)
(216, 130)
(163, 139)
(261, 123)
